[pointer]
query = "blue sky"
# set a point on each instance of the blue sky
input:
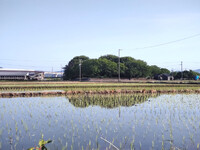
(46, 34)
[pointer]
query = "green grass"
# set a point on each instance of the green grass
(92, 86)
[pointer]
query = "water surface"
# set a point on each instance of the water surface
(127, 121)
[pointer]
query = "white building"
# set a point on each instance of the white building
(20, 74)
(53, 74)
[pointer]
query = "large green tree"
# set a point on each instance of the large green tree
(134, 68)
(108, 66)
(91, 68)
(112, 58)
(155, 70)
(71, 71)
(188, 75)
(115, 59)
(164, 70)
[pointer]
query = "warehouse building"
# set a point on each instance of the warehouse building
(20, 74)
(53, 74)
(163, 76)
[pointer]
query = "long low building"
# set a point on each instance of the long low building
(53, 74)
(20, 74)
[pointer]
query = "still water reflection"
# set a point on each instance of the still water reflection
(126, 121)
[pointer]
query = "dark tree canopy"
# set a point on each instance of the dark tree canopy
(186, 74)
(71, 71)
(112, 58)
(91, 68)
(107, 67)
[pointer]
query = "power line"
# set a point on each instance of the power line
(163, 62)
(170, 42)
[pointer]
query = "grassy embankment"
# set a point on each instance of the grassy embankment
(72, 88)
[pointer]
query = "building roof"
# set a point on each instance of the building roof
(5, 73)
(26, 70)
(16, 72)
(6, 69)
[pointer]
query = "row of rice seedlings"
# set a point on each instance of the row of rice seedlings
(89, 86)
(150, 110)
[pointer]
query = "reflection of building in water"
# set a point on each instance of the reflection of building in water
(109, 101)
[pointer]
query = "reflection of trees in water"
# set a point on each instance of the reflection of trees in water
(109, 101)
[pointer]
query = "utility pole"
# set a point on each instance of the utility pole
(80, 62)
(181, 70)
(61, 72)
(119, 65)
(119, 109)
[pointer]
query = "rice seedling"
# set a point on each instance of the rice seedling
(157, 122)
(1, 131)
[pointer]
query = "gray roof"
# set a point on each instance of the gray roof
(17, 72)
(10, 73)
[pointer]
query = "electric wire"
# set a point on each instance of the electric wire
(170, 42)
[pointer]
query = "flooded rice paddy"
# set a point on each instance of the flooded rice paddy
(101, 122)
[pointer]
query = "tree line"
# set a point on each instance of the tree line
(107, 67)
(188, 75)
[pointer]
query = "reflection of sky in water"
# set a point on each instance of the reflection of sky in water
(165, 120)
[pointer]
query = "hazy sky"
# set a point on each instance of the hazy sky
(41, 34)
